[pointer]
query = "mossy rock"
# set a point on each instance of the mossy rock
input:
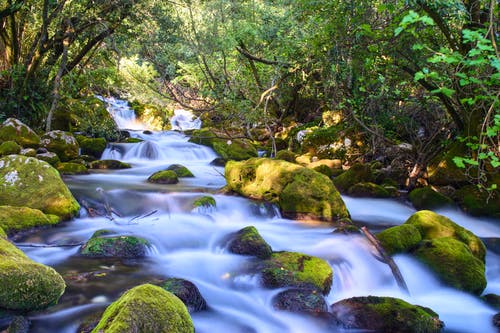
(368, 190)
(324, 170)
(2, 233)
(29, 182)
(109, 164)
(399, 239)
(49, 157)
(358, 173)
(14, 130)
(163, 177)
(443, 171)
(385, 314)
(479, 202)
(248, 241)
(300, 192)
(300, 301)
(62, 143)
(427, 198)
(29, 152)
(26, 285)
(286, 155)
(91, 146)
(146, 308)
(228, 149)
(69, 168)
(492, 300)
(203, 136)
(453, 263)
(187, 292)
(14, 219)
(9, 148)
(293, 269)
(180, 170)
(205, 201)
(132, 140)
(100, 246)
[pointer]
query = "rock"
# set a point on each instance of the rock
(248, 241)
(399, 239)
(334, 165)
(496, 320)
(91, 146)
(358, 173)
(300, 192)
(286, 155)
(218, 161)
(293, 269)
(62, 143)
(180, 170)
(69, 168)
(427, 198)
(443, 171)
(29, 182)
(453, 263)
(479, 203)
(146, 308)
(300, 301)
(163, 177)
(14, 130)
(9, 148)
(49, 157)
(19, 324)
(324, 170)
(368, 189)
(101, 245)
(385, 314)
(109, 164)
(132, 140)
(29, 152)
(205, 201)
(26, 285)
(228, 149)
(492, 300)
(14, 219)
(187, 292)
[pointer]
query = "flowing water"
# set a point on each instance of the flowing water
(189, 243)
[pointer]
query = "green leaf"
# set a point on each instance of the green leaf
(398, 30)
(445, 91)
(419, 76)
(459, 162)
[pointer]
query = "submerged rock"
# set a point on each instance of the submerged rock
(109, 164)
(62, 143)
(163, 177)
(13, 219)
(101, 245)
(13, 129)
(187, 292)
(385, 314)
(143, 309)
(180, 170)
(427, 198)
(300, 301)
(248, 241)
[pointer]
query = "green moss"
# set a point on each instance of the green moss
(286, 155)
(248, 241)
(205, 201)
(358, 173)
(236, 150)
(91, 146)
(9, 148)
(29, 182)
(62, 143)
(293, 269)
(180, 170)
(2, 233)
(368, 189)
(69, 168)
(49, 157)
(119, 246)
(399, 239)
(109, 164)
(164, 177)
(26, 285)
(427, 198)
(132, 140)
(324, 169)
(14, 130)
(29, 152)
(146, 308)
(203, 136)
(13, 219)
(479, 203)
(454, 264)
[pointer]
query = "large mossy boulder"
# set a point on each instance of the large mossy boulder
(101, 245)
(91, 146)
(187, 292)
(109, 165)
(180, 170)
(13, 219)
(29, 182)
(479, 202)
(163, 177)
(144, 309)
(228, 149)
(14, 130)
(400, 239)
(385, 314)
(248, 241)
(9, 148)
(293, 269)
(49, 157)
(427, 198)
(300, 192)
(26, 285)
(62, 143)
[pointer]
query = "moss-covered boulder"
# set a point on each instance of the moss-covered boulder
(143, 309)
(368, 189)
(13, 219)
(187, 292)
(479, 202)
(399, 239)
(248, 241)
(300, 301)
(70, 168)
(26, 285)
(30, 152)
(49, 157)
(109, 164)
(453, 263)
(206, 201)
(163, 177)
(300, 192)
(427, 198)
(9, 148)
(180, 170)
(29, 182)
(358, 173)
(385, 314)
(101, 245)
(227, 148)
(286, 155)
(14, 130)
(62, 143)
(91, 146)
(293, 269)
(443, 171)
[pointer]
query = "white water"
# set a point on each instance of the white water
(188, 243)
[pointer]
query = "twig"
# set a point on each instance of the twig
(143, 216)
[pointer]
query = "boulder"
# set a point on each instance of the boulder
(368, 189)
(300, 192)
(248, 241)
(109, 164)
(14, 219)
(69, 168)
(9, 148)
(399, 239)
(286, 155)
(187, 292)
(62, 143)
(443, 171)
(146, 308)
(49, 157)
(300, 301)
(496, 320)
(358, 173)
(163, 177)
(427, 198)
(30, 152)
(180, 170)
(228, 149)
(102, 245)
(479, 202)
(293, 269)
(492, 300)
(385, 314)
(29, 182)
(91, 146)
(26, 285)
(14, 130)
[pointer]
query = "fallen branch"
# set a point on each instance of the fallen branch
(143, 216)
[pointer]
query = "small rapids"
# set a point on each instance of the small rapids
(189, 243)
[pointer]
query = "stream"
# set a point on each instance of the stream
(189, 243)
